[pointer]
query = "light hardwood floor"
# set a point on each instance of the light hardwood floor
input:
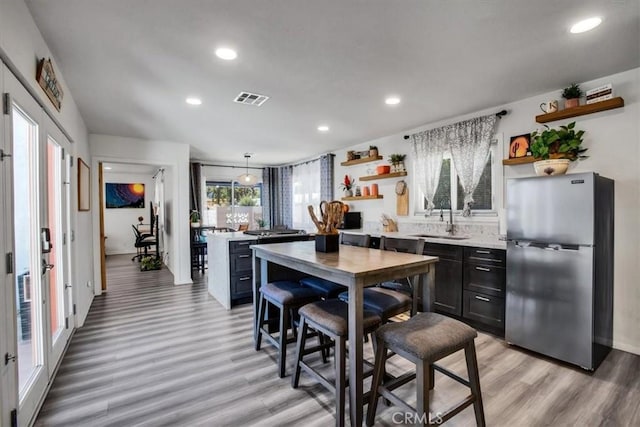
(155, 354)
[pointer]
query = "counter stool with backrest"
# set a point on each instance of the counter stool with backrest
(392, 298)
(329, 318)
(287, 296)
(327, 288)
(424, 339)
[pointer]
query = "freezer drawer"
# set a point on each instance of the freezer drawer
(549, 302)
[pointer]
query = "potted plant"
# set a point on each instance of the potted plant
(150, 262)
(347, 185)
(572, 95)
(261, 223)
(194, 217)
(397, 162)
(555, 148)
(373, 151)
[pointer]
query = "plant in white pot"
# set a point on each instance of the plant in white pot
(555, 148)
(194, 217)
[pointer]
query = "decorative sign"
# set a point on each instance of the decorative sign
(47, 80)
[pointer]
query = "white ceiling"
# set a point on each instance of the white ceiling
(131, 64)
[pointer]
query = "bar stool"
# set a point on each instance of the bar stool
(423, 340)
(287, 296)
(329, 318)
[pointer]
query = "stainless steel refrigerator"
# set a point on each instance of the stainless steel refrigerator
(560, 266)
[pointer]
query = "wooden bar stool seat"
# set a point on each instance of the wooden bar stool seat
(329, 318)
(287, 296)
(423, 340)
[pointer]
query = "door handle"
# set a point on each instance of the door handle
(46, 267)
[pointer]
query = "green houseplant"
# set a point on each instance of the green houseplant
(555, 148)
(194, 217)
(572, 95)
(150, 262)
(397, 162)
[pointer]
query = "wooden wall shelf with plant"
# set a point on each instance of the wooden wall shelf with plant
(383, 176)
(361, 160)
(379, 196)
(581, 110)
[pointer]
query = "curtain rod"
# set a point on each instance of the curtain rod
(310, 160)
(228, 166)
(499, 115)
(161, 170)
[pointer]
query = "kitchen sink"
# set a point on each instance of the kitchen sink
(442, 236)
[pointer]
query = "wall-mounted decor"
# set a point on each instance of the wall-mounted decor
(46, 78)
(84, 186)
(520, 146)
(129, 195)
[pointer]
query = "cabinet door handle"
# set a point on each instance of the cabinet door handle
(244, 256)
(482, 252)
(482, 298)
(244, 243)
(242, 279)
(483, 269)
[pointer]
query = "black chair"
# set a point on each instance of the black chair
(142, 243)
(391, 298)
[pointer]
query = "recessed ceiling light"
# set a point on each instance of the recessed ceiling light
(226, 53)
(107, 168)
(193, 101)
(586, 25)
(392, 100)
(323, 128)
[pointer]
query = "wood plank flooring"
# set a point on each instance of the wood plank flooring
(154, 354)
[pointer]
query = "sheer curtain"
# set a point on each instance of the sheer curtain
(428, 149)
(305, 181)
(469, 142)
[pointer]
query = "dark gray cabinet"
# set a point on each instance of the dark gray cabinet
(448, 298)
(241, 271)
(484, 287)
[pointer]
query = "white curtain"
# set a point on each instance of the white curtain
(159, 206)
(305, 180)
(428, 149)
(469, 142)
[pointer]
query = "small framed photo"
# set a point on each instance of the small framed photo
(84, 186)
(520, 146)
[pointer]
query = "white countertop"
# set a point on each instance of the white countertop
(475, 241)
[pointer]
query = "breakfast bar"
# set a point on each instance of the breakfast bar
(355, 268)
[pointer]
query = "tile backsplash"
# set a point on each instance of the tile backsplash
(482, 230)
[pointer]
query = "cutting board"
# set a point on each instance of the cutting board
(402, 199)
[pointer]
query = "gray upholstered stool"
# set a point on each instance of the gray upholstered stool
(330, 318)
(425, 339)
(287, 296)
(326, 288)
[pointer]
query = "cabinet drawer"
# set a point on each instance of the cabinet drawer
(484, 278)
(485, 256)
(451, 252)
(448, 287)
(241, 261)
(241, 286)
(483, 308)
(241, 246)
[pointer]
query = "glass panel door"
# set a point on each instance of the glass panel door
(28, 277)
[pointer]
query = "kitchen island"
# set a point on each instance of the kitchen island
(230, 266)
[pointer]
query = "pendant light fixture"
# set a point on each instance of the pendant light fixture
(247, 178)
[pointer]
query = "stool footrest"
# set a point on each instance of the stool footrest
(317, 376)
(450, 413)
(451, 375)
(400, 381)
(395, 399)
(273, 340)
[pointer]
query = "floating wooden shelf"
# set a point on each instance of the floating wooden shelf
(379, 196)
(382, 176)
(361, 160)
(581, 110)
(528, 159)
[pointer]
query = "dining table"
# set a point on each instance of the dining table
(355, 268)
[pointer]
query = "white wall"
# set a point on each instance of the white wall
(117, 222)
(22, 43)
(613, 139)
(175, 157)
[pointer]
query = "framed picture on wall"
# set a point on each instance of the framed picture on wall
(129, 195)
(84, 186)
(520, 146)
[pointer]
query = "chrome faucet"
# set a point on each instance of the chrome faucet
(450, 227)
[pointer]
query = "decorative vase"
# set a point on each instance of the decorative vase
(571, 103)
(551, 167)
(373, 152)
(348, 193)
(327, 242)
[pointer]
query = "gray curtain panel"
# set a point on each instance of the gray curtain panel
(285, 205)
(269, 184)
(326, 177)
(195, 184)
(276, 196)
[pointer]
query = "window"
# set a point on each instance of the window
(229, 205)
(449, 188)
(305, 179)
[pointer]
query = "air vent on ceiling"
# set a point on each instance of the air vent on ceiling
(251, 99)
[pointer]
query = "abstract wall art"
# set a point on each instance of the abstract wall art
(119, 196)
